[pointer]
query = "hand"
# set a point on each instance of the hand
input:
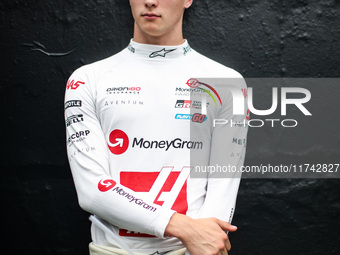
(201, 236)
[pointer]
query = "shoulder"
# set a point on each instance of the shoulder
(213, 67)
(217, 74)
(99, 68)
(88, 76)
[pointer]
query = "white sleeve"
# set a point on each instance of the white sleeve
(228, 147)
(88, 157)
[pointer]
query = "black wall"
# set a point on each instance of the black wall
(42, 42)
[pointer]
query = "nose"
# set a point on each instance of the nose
(151, 3)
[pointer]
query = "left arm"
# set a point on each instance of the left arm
(227, 152)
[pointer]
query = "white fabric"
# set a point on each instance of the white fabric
(96, 249)
(136, 91)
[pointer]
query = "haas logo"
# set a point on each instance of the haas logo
(167, 188)
(118, 142)
(106, 185)
(71, 84)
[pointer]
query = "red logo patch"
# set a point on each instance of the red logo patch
(73, 85)
(248, 115)
(106, 185)
(197, 117)
(118, 142)
(193, 83)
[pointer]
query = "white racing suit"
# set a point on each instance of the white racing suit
(132, 129)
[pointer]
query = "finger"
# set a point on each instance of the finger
(226, 226)
(224, 252)
(228, 245)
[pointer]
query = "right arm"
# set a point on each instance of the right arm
(98, 193)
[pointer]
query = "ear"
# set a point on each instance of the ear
(188, 3)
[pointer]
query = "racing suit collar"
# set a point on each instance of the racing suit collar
(150, 51)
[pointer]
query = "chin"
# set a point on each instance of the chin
(153, 32)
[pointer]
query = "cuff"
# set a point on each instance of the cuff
(162, 223)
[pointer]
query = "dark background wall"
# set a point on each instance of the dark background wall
(42, 42)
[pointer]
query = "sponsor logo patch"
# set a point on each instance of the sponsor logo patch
(167, 188)
(160, 53)
(73, 103)
(106, 185)
(118, 142)
(74, 119)
(72, 84)
(199, 118)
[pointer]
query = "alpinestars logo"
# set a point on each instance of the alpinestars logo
(186, 50)
(160, 53)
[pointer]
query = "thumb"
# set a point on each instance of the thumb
(226, 226)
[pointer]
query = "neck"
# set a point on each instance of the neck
(174, 37)
(158, 40)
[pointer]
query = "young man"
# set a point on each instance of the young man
(129, 142)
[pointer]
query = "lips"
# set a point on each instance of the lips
(150, 15)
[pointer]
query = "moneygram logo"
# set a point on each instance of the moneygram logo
(177, 143)
(118, 142)
(106, 185)
(194, 83)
